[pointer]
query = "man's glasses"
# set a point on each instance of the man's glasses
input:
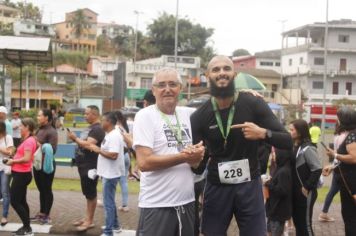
(163, 85)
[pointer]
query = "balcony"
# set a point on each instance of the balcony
(315, 47)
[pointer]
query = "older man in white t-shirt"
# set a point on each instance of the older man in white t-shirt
(165, 155)
(110, 160)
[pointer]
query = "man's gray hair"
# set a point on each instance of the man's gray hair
(167, 70)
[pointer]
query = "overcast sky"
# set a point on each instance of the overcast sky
(251, 24)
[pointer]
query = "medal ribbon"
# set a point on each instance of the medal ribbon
(219, 121)
(177, 132)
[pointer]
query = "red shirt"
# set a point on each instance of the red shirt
(28, 144)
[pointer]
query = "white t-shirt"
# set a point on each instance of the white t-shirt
(173, 186)
(108, 168)
(5, 144)
(16, 131)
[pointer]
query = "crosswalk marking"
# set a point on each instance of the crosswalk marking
(36, 228)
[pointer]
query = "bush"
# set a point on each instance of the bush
(32, 113)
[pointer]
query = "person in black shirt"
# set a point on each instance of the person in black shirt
(233, 183)
(94, 134)
(345, 168)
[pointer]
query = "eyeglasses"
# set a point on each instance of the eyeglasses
(163, 85)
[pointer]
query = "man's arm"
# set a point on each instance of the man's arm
(147, 161)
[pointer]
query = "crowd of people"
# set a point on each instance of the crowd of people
(209, 159)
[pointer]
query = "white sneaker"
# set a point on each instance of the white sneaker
(115, 231)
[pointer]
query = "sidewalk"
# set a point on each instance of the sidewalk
(69, 206)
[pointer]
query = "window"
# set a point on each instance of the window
(67, 36)
(344, 38)
(335, 88)
(188, 60)
(277, 64)
(318, 85)
(146, 83)
(266, 63)
(290, 61)
(242, 64)
(348, 88)
(274, 87)
(170, 59)
(301, 60)
(28, 26)
(318, 61)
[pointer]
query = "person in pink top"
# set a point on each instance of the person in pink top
(21, 166)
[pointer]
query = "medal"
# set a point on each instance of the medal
(180, 146)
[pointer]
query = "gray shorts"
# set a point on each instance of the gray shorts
(167, 221)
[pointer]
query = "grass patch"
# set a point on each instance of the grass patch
(322, 192)
(74, 185)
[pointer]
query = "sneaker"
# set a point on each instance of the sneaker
(46, 220)
(24, 231)
(114, 231)
(323, 217)
(36, 218)
(124, 208)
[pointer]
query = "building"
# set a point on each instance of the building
(269, 60)
(139, 75)
(103, 68)
(112, 30)
(303, 61)
(33, 29)
(8, 16)
(67, 74)
(66, 39)
(39, 94)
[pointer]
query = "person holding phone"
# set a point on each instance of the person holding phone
(345, 168)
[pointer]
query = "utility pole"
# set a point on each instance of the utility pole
(282, 46)
(136, 34)
(176, 37)
(325, 70)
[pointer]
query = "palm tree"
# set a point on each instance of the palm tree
(79, 24)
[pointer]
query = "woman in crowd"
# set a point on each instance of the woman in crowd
(306, 171)
(345, 168)
(21, 166)
(339, 138)
(46, 133)
(6, 150)
(123, 127)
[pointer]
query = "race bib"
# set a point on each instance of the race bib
(234, 172)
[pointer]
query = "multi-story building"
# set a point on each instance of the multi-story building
(112, 30)
(303, 62)
(8, 16)
(33, 29)
(103, 68)
(139, 75)
(267, 60)
(67, 39)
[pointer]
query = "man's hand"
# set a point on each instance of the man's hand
(327, 170)
(71, 135)
(253, 92)
(195, 153)
(10, 162)
(251, 131)
(305, 192)
(94, 148)
(330, 152)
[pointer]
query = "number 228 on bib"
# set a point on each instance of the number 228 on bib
(234, 172)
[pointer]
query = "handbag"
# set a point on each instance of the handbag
(346, 185)
(37, 161)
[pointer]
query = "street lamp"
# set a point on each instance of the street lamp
(325, 70)
(176, 37)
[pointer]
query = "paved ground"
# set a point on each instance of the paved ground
(70, 206)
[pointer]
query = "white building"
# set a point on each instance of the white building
(113, 30)
(139, 77)
(103, 68)
(303, 62)
(32, 28)
(269, 60)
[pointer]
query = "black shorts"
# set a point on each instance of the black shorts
(88, 185)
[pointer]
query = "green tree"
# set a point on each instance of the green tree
(240, 52)
(29, 11)
(192, 38)
(79, 23)
(206, 55)
(9, 3)
(104, 45)
(75, 58)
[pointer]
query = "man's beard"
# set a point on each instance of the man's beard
(222, 92)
